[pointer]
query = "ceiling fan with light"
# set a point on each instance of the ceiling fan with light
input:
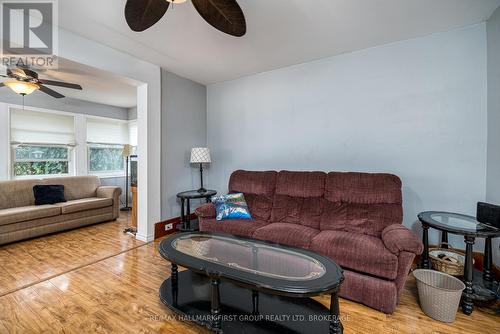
(24, 82)
(224, 15)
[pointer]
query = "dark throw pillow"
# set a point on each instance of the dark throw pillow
(50, 194)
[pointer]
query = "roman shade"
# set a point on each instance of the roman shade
(107, 131)
(41, 128)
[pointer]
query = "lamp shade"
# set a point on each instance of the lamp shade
(200, 155)
(21, 87)
(127, 150)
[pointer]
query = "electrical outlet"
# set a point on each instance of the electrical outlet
(169, 227)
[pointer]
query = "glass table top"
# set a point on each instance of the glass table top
(257, 258)
(457, 223)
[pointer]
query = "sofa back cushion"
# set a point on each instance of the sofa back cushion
(361, 202)
(77, 187)
(299, 198)
(17, 193)
(258, 188)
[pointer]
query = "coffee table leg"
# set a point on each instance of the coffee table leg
(425, 264)
(216, 320)
(175, 282)
(255, 302)
(467, 304)
(335, 324)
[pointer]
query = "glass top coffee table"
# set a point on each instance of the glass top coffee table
(476, 288)
(234, 282)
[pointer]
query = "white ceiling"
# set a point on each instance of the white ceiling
(98, 86)
(279, 32)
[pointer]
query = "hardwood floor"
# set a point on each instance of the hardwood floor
(27, 262)
(119, 293)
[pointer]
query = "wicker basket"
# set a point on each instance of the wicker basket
(439, 294)
(455, 267)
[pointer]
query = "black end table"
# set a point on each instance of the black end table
(476, 288)
(185, 197)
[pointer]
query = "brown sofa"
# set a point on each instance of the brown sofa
(353, 218)
(87, 203)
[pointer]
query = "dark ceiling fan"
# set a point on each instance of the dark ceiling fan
(224, 15)
(25, 81)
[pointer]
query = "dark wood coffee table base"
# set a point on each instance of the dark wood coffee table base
(243, 311)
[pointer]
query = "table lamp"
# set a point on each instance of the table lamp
(200, 155)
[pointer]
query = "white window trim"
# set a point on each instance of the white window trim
(105, 174)
(12, 161)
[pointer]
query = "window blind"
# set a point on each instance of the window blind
(28, 126)
(107, 131)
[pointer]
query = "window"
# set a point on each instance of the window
(42, 143)
(31, 160)
(105, 141)
(106, 159)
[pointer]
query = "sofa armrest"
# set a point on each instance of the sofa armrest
(397, 238)
(206, 211)
(113, 193)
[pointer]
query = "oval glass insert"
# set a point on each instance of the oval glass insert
(253, 257)
(456, 221)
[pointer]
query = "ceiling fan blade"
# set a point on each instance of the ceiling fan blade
(143, 14)
(60, 84)
(51, 92)
(224, 15)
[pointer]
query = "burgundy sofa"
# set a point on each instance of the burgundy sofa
(353, 218)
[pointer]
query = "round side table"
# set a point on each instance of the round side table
(476, 288)
(185, 197)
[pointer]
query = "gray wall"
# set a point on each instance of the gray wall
(41, 100)
(118, 182)
(493, 178)
(416, 108)
(132, 113)
(184, 125)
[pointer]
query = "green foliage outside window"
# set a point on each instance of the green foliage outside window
(106, 159)
(40, 160)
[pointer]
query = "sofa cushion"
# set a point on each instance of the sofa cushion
(238, 227)
(297, 210)
(358, 252)
(29, 224)
(301, 184)
(361, 202)
(85, 204)
(24, 213)
(298, 198)
(258, 188)
(287, 234)
(17, 193)
(77, 187)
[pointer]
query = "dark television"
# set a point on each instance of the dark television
(133, 170)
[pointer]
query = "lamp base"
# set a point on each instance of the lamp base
(126, 208)
(202, 190)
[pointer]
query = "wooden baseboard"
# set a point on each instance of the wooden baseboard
(478, 263)
(160, 227)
